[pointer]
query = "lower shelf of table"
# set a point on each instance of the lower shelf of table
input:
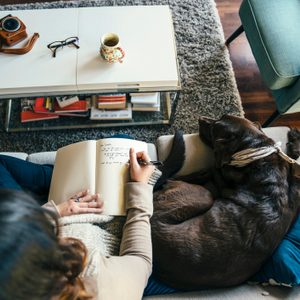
(164, 116)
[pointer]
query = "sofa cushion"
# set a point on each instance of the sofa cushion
(43, 158)
(240, 292)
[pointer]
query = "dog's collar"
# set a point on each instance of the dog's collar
(247, 156)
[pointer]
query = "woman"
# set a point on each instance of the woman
(38, 263)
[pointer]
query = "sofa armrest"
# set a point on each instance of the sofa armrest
(20, 155)
(43, 158)
(152, 151)
(199, 156)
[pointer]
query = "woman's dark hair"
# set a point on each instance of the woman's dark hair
(35, 263)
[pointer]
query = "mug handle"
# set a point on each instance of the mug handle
(123, 54)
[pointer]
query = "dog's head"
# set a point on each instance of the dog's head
(229, 135)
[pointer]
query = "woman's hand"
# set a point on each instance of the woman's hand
(139, 173)
(81, 203)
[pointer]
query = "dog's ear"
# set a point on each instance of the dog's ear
(205, 125)
(257, 125)
(222, 153)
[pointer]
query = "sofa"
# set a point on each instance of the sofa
(198, 156)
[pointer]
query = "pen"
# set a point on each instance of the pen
(151, 162)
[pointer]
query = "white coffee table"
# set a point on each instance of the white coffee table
(146, 34)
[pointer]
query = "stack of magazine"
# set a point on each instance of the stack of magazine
(111, 101)
(110, 107)
(145, 101)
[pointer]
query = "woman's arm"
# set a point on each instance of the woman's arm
(136, 238)
(125, 276)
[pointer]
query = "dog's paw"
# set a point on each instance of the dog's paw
(293, 145)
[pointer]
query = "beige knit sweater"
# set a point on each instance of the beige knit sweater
(116, 277)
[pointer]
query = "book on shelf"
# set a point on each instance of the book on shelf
(111, 101)
(145, 108)
(100, 166)
(43, 105)
(50, 106)
(79, 106)
(29, 115)
(114, 114)
(153, 105)
(83, 114)
(66, 100)
(144, 98)
(113, 105)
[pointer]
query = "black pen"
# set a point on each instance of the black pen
(151, 162)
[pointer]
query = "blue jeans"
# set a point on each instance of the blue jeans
(19, 174)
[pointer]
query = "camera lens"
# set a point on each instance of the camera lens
(11, 24)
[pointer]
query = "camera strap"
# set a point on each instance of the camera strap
(22, 50)
(5, 17)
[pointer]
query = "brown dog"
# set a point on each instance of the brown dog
(220, 233)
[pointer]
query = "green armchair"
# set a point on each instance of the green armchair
(272, 29)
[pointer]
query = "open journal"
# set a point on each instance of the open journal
(100, 166)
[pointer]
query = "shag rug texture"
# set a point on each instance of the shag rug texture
(207, 78)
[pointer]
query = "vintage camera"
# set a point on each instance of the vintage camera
(12, 30)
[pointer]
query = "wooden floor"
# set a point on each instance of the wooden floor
(257, 100)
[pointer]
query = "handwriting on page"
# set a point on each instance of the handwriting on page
(112, 155)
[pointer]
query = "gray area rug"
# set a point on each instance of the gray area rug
(207, 78)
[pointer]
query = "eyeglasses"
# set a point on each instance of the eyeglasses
(74, 40)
